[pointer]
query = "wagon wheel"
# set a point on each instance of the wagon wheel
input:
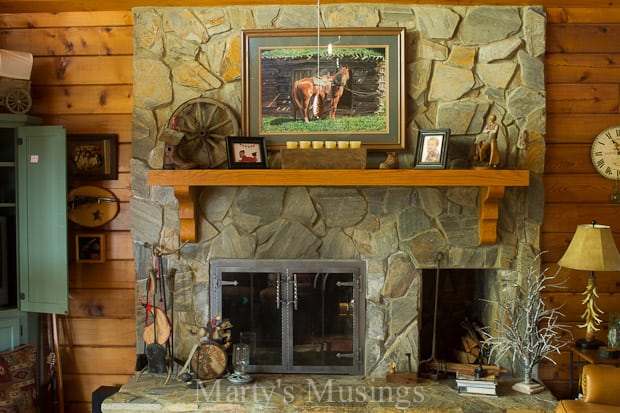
(18, 101)
(204, 123)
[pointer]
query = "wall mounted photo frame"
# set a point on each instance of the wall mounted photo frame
(359, 75)
(90, 248)
(92, 156)
(432, 149)
(246, 152)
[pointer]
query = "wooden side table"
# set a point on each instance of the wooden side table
(585, 356)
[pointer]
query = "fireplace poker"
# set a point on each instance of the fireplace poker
(439, 366)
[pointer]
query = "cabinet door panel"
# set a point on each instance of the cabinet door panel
(42, 219)
(9, 333)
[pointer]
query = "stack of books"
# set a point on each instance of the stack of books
(469, 385)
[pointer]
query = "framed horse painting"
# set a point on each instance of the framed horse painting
(337, 84)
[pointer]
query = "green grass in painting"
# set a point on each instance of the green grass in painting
(369, 123)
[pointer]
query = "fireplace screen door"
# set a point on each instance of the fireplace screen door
(296, 315)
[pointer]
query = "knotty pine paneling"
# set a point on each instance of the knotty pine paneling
(82, 79)
(79, 388)
(79, 359)
(117, 274)
(582, 68)
(82, 70)
(564, 128)
(591, 13)
(119, 124)
(110, 303)
(575, 158)
(555, 244)
(583, 38)
(68, 19)
(577, 188)
(560, 217)
(82, 99)
(99, 332)
(70, 41)
(582, 97)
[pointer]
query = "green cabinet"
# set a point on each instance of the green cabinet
(42, 219)
(33, 225)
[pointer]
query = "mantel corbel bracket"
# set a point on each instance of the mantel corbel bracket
(488, 212)
(187, 212)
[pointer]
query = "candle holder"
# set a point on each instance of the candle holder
(241, 360)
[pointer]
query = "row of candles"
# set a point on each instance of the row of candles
(323, 144)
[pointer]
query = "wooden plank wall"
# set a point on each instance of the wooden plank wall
(82, 79)
(583, 98)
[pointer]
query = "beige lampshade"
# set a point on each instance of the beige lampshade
(592, 249)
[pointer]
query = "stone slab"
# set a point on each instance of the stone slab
(318, 393)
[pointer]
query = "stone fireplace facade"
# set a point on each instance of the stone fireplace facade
(463, 64)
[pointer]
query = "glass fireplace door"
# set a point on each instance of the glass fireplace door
(249, 301)
(302, 316)
(323, 322)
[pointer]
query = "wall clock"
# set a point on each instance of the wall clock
(605, 156)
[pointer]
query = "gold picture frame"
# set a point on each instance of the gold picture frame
(358, 72)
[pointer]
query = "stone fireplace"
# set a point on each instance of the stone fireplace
(463, 64)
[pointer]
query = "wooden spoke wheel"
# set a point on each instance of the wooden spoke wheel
(18, 100)
(209, 361)
(205, 123)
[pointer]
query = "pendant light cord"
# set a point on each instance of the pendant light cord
(318, 37)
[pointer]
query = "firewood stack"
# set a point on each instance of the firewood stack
(469, 350)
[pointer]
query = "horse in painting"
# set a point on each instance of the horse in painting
(310, 89)
(317, 90)
(339, 81)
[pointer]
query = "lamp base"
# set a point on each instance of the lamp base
(589, 344)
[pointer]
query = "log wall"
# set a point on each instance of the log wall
(82, 78)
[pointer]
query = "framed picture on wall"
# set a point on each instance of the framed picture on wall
(432, 149)
(348, 87)
(90, 248)
(92, 156)
(246, 152)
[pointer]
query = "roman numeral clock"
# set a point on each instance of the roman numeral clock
(605, 155)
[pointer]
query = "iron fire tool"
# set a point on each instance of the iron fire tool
(171, 281)
(435, 368)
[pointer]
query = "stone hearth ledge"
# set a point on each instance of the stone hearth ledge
(317, 393)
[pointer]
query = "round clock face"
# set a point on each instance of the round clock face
(605, 153)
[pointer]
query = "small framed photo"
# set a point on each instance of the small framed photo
(246, 152)
(432, 149)
(92, 156)
(90, 248)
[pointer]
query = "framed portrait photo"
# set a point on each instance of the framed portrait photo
(432, 149)
(358, 73)
(92, 156)
(246, 152)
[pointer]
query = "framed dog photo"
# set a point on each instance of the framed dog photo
(246, 152)
(432, 149)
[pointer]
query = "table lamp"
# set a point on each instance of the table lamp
(591, 249)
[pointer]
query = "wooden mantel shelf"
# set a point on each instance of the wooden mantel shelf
(491, 182)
